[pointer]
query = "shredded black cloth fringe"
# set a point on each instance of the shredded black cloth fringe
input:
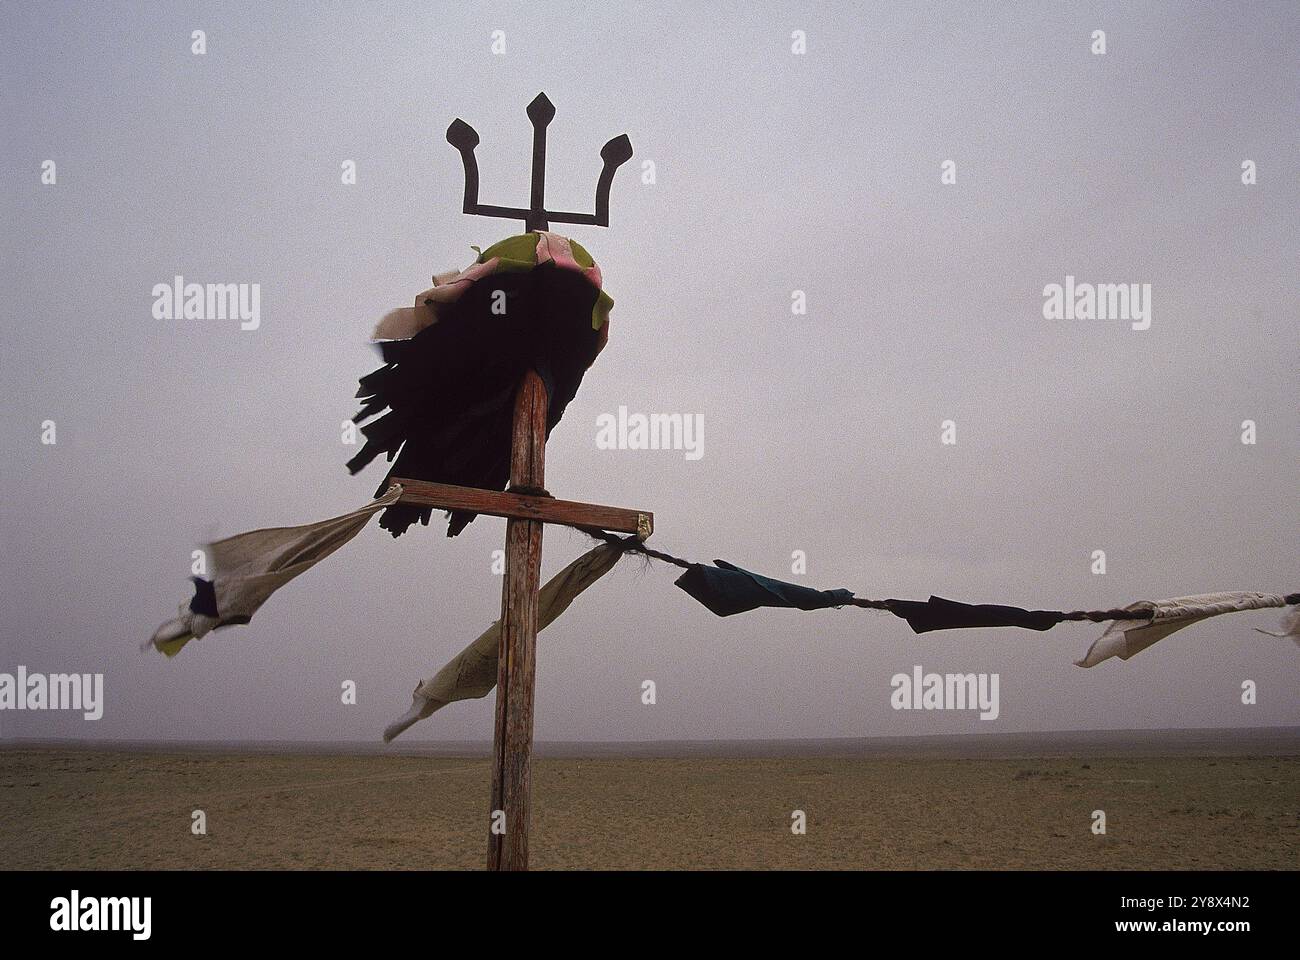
(449, 390)
(727, 589)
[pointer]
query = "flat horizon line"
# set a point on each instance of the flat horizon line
(1282, 740)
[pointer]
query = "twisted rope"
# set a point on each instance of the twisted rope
(631, 544)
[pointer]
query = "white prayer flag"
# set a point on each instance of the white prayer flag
(1124, 638)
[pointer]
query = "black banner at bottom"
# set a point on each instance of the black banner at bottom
(335, 908)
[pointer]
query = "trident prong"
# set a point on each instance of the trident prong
(540, 112)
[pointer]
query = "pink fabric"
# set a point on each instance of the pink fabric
(553, 247)
(454, 288)
(405, 322)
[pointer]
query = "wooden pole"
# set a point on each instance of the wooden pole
(516, 667)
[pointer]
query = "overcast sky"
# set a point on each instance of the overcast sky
(773, 172)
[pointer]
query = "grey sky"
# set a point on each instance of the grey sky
(774, 172)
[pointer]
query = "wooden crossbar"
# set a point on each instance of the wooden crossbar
(497, 503)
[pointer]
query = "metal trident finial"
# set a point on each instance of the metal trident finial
(541, 111)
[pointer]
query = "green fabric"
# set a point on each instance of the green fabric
(520, 253)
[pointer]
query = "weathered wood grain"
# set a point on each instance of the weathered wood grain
(516, 666)
(497, 503)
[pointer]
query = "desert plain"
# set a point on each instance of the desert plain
(1222, 799)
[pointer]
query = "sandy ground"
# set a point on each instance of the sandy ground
(104, 808)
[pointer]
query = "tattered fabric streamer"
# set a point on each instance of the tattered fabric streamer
(1290, 627)
(473, 672)
(248, 567)
(727, 589)
(1123, 640)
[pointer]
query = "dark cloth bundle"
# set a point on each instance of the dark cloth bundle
(726, 589)
(940, 614)
(450, 389)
